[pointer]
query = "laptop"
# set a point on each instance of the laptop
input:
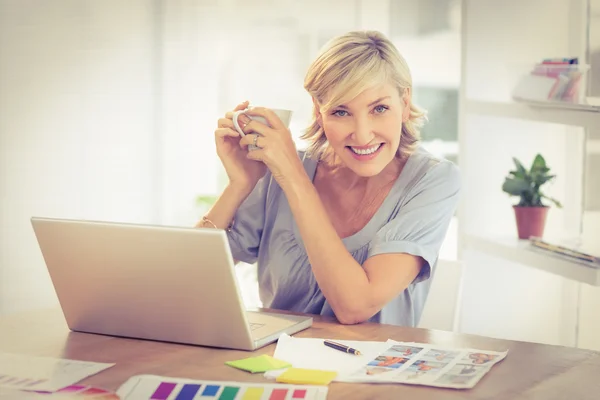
(159, 283)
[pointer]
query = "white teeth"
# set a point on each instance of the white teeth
(369, 150)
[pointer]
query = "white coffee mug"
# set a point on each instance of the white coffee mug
(284, 115)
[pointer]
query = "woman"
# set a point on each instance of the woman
(352, 227)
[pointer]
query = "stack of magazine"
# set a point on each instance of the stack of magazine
(571, 252)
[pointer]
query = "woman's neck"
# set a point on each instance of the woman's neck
(347, 179)
(351, 200)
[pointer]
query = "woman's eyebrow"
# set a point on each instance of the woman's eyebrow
(370, 104)
(378, 100)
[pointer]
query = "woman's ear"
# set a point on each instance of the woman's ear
(406, 96)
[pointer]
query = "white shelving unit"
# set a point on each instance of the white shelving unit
(583, 116)
(509, 289)
(520, 251)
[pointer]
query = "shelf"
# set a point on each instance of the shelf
(519, 251)
(584, 116)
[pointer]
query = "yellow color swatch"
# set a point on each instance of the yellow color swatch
(306, 376)
(253, 393)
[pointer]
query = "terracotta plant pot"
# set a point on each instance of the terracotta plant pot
(530, 221)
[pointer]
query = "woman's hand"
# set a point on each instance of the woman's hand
(276, 147)
(242, 172)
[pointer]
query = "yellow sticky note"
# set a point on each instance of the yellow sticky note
(306, 376)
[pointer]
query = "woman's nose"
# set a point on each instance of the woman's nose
(363, 131)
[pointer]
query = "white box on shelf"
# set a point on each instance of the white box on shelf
(552, 83)
(534, 87)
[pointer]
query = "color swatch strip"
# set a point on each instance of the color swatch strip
(189, 391)
(152, 387)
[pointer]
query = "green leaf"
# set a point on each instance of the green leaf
(553, 200)
(521, 171)
(539, 164)
(540, 179)
(539, 171)
(515, 186)
(517, 174)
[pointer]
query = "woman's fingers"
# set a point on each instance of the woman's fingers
(229, 116)
(269, 115)
(251, 139)
(225, 123)
(256, 155)
(224, 132)
(254, 126)
(242, 106)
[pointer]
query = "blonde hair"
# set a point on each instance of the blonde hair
(345, 67)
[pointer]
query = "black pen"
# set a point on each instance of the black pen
(341, 347)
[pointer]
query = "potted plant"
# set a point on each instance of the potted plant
(530, 213)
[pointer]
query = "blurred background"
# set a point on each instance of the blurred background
(108, 108)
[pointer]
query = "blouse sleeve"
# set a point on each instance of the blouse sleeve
(249, 221)
(421, 223)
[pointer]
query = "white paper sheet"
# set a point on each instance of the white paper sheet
(12, 394)
(311, 353)
(44, 373)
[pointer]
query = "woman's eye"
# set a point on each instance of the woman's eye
(340, 113)
(380, 109)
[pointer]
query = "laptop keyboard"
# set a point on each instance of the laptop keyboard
(254, 326)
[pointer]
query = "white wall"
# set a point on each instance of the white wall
(76, 126)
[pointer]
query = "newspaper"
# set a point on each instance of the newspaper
(426, 364)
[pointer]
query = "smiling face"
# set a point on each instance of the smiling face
(365, 132)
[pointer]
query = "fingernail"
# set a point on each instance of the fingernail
(244, 119)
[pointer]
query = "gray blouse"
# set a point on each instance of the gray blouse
(413, 219)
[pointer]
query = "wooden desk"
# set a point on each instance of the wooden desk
(530, 371)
